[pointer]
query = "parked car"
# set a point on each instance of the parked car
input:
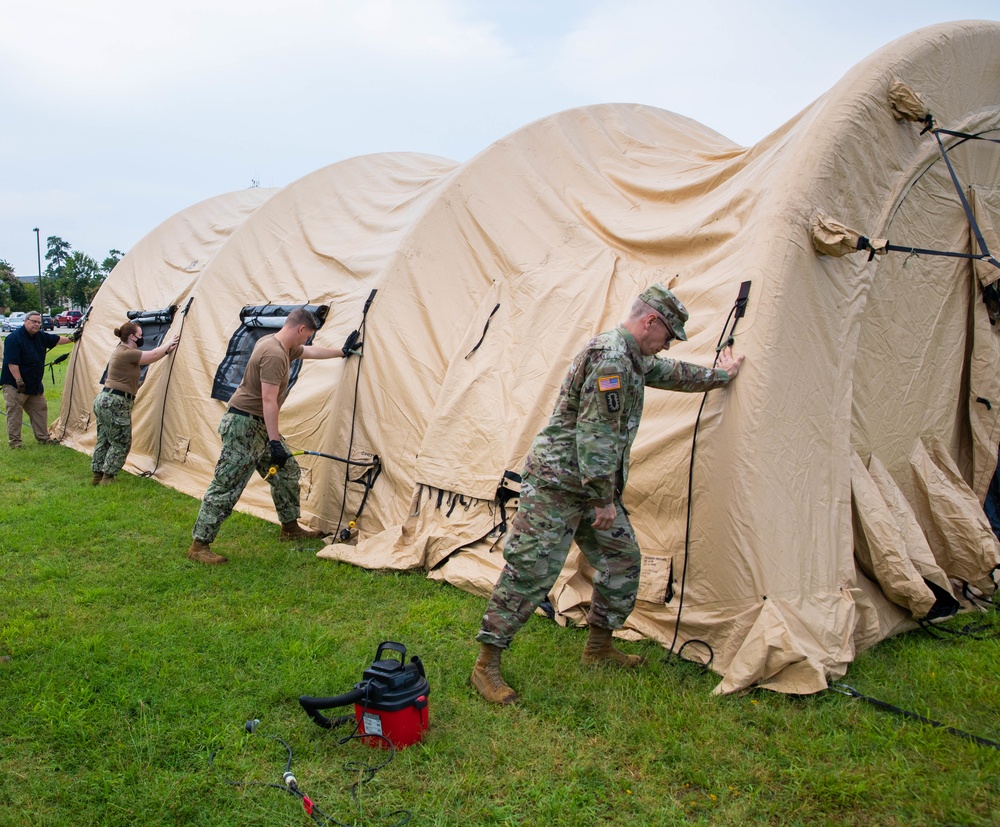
(47, 322)
(15, 321)
(3, 323)
(71, 318)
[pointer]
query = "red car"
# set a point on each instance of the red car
(71, 318)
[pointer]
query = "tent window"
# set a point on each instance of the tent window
(154, 324)
(256, 322)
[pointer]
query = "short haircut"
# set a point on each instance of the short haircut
(31, 313)
(302, 316)
(639, 309)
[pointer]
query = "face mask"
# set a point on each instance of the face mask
(140, 341)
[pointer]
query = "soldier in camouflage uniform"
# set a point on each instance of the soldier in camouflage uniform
(251, 441)
(573, 479)
(113, 405)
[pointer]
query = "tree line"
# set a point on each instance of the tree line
(71, 279)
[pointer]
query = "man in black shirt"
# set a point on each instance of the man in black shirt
(21, 376)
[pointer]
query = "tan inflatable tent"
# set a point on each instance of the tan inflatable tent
(836, 486)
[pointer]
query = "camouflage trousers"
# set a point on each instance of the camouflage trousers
(535, 550)
(114, 433)
(245, 450)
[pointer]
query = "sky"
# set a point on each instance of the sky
(118, 114)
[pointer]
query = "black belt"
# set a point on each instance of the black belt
(238, 412)
(117, 392)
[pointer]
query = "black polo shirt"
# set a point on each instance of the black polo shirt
(28, 353)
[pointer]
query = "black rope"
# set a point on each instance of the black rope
(166, 390)
(72, 371)
(969, 630)
(354, 414)
(844, 689)
(725, 340)
(975, 630)
(485, 328)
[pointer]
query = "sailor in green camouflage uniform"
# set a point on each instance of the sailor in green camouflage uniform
(251, 440)
(113, 405)
(573, 479)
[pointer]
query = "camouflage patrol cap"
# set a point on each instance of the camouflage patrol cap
(669, 306)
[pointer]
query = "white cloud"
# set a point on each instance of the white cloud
(53, 202)
(741, 68)
(100, 46)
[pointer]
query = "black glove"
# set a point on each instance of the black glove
(19, 384)
(279, 456)
(77, 334)
(351, 344)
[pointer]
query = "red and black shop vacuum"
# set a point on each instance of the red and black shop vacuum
(390, 701)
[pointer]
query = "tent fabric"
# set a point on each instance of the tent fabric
(906, 104)
(490, 275)
(831, 238)
(952, 518)
(881, 542)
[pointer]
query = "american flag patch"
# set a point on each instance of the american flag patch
(609, 383)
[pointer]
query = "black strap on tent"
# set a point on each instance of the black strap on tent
(974, 631)
(166, 390)
(864, 243)
(367, 479)
(984, 253)
(508, 489)
(354, 414)
(965, 136)
(737, 312)
(965, 201)
(485, 328)
(844, 689)
(51, 365)
(976, 598)
(991, 292)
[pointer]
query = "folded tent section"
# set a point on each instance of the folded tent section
(835, 483)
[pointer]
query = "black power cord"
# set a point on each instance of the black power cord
(354, 414)
(736, 313)
(844, 689)
(289, 783)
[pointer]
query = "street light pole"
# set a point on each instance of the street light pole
(38, 245)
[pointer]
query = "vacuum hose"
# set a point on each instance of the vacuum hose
(312, 706)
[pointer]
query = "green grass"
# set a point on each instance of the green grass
(130, 668)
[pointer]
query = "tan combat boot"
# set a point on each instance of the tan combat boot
(98, 475)
(201, 553)
(293, 531)
(486, 677)
(599, 649)
(107, 480)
